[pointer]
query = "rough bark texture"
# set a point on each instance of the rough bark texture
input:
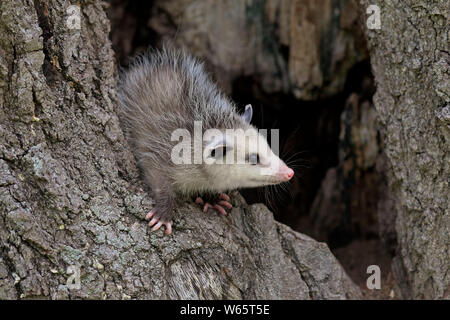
(70, 192)
(410, 60)
(298, 46)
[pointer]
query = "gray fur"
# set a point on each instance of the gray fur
(162, 91)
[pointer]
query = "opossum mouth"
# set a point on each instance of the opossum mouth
(267, 182)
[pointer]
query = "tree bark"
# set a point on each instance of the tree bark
(301, 47)
(70, 194)
(410, 60)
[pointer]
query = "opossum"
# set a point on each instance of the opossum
(166, 90)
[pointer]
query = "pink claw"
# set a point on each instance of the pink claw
(149, 215)
(156, 223)
(220, 209)
(168, 228)
(226, 204)
(157, 226)
(206, 207)
(153, 221)
(224, 197)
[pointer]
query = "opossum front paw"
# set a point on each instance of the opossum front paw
(217, 204)
(157, 222)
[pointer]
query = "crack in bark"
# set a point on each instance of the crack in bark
(48, 69)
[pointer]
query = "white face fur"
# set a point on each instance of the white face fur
(238, 159)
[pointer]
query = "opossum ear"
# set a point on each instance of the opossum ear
(248, 113)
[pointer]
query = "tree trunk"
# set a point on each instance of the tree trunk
(302, 47)
(71, 199)
(410, 59)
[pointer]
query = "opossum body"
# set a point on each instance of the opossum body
(167, 90)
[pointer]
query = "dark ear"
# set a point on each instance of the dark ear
(248, 113)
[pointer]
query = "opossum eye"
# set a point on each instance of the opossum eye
(253, 158)
(219, 152)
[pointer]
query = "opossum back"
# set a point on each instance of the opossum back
(152, 103)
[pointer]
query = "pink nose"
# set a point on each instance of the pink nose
(285, 173)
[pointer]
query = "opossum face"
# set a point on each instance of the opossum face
(242, 158)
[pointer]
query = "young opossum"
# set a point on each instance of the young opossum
(167, 90)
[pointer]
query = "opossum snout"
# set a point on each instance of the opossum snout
(285, 173)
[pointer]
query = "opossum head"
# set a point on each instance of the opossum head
(242, 158)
